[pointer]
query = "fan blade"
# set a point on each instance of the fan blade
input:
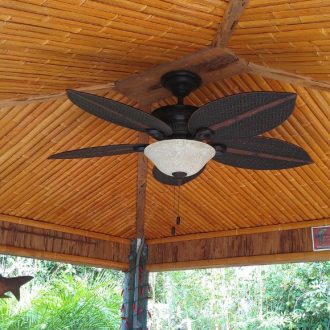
(118, 113)
(102, 151)
(243, 115)
(170, 180)
(261, 153)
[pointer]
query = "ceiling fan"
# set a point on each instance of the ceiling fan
(225, 130)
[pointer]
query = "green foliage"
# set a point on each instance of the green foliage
(291, 296)
(299, 296)
(64, 297)
(68, 297)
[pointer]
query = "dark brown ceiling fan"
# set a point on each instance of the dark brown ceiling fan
(225, 130)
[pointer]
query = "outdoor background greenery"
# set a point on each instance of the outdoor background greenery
(61, 296)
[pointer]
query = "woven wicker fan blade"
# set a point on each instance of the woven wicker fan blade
(170, 180)
(102, 151)
(243, 115)
(118, 113)
(260, 153)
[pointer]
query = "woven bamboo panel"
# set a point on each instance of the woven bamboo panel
(48, 46)
(59, 244)
(289, 241)
(224, 197)
(291, 35)
(93, 194)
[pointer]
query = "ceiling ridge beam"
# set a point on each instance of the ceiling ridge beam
(230, 19)
(51, 97)
(62, 229)
(242, 231)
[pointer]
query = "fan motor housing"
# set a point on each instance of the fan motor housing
(181, 82)
(177, 117)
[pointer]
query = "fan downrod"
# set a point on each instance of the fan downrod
(181, 83)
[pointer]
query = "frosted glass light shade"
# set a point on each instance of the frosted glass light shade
(179, 155)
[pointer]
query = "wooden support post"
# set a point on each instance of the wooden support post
(136, 289)
(136, 286)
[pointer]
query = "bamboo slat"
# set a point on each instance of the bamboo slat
(70, 193)
(56, 45)
(281, 34)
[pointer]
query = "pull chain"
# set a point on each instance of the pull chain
(176, 206)
(178, 218)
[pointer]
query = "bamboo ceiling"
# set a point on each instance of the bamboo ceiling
(49, 46)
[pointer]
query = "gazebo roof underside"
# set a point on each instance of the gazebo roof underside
(47, 47)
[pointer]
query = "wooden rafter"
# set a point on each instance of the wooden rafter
(231, 17)
(287, 77)
(51, 97)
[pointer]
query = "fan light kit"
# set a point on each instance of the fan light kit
(225, 130)
(179, 157)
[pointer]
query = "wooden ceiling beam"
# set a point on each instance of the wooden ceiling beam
(230, 19)
(241, 231)
(51, 97)
(287, 77)
(62, 257)
(279, 258)
(293, 245)
(62, 229)
(212, 64)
